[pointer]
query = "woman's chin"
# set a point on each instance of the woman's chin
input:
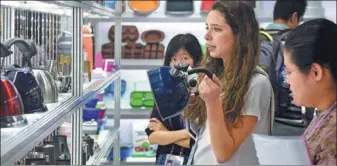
(214, 55)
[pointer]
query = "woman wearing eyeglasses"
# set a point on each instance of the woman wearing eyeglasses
(311, 63)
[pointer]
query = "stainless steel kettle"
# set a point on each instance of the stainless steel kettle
(43, 77)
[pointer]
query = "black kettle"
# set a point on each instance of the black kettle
(11, 112)
(24, 79)
(171, 88)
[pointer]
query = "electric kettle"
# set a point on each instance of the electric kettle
(171, 88)
(24, 80)
(11, 112)
(44, 79)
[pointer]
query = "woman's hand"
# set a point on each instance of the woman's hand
(156, 125)
(210, 89)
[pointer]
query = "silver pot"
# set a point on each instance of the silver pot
(44, 79)
(47, 85)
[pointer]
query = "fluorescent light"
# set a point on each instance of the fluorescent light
(38, 6)
(41, 6)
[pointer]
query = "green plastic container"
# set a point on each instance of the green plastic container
(140, 97)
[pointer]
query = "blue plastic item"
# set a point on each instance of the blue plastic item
(110, 4)
(125, 152)
(110, 88)
(171, 93)
(91, 113)
(92, 103)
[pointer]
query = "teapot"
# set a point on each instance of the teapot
(24, 80)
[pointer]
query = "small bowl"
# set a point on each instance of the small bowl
(144, 7)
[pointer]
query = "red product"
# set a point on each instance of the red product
(11, 102)
(206, 5)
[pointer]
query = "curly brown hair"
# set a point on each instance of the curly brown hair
(238, 69)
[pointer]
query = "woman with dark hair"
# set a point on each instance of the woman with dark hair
(236, 101)
(170, 135)
(311, 64)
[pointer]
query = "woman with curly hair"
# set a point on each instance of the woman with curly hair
(236, 101)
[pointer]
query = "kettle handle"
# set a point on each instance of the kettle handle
(200, 70)
(24, 47)
(26, 60)
(20, 43)
(4, 51)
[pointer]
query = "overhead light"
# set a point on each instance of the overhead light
(38, 6)
(45, 7)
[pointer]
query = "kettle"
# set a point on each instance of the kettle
(11, 112)
(171, 88)
(24, 80)
(44, 79)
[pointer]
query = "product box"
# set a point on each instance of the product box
(141, 145)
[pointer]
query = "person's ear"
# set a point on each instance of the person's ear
(317, 72)
(294, 18)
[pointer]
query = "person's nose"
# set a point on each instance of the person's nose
(207, 36)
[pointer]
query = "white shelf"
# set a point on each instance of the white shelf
(141, 63)
(162, 17)
(131, 113)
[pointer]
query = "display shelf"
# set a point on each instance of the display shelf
(91, 7)
(105, 142)
(162, 17)
(41, 125)
(96, 86)
(29, 136)
(7, 133)
(16, 142)
(131, 113)
(141, 63)
(157, 17)
(97, 8)
(126, 111)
